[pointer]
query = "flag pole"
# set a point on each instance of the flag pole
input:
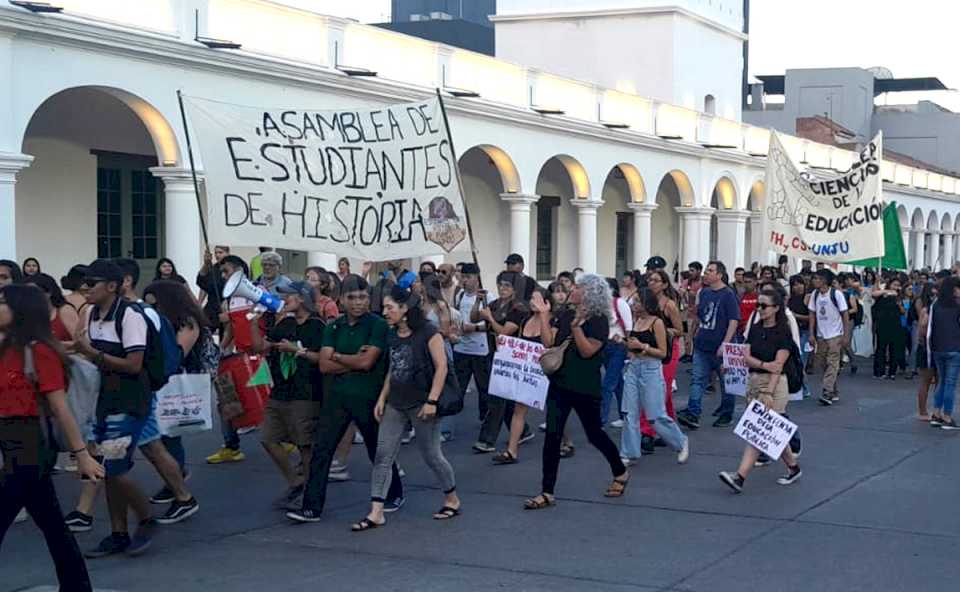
(463, 199)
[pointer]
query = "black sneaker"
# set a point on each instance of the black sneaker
(393, 505)
(78, 522)
(527, 436)
(164, 496)
(826, 400)
(646, 444)
(791, 477)
(936, 421)
(143, 538)
(689, 420)
(711, 388)
(853, 369)
(733, 480)
(723, 421)
(114, 544)
(949, 425)
(179, 511)
(304, 516)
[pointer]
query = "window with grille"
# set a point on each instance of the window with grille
(546, 208)
(109, 213)
(623, 242)
(143, 199)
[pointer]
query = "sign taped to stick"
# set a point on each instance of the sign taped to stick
(367, 183)
(516, 372)
(765, 429)
(834, 217)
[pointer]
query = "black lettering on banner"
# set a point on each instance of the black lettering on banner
(377, 126)
(237, 160)
(269, 124)
(320, 161)
(416, 119)
(348, 124)
(395, 130)
(385, 223)
(413, 158)
(399, 177)
(299, 212)
(352, 150)
(229, 198)
(264, 153)
(293, 132)
(254, 210)
(332, 152)
(332, 125)
(294, 149)
(427, 167)
(356, 214)
(343, 225)
(448, 161)
(365, 239)
(317, 203)
(373, 168)
(427, 119)
(308, 125)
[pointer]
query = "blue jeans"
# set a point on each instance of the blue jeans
(614, 357)
(705, 365)
(948, 369)
(804, 354)
(644, 388)
(231, 439)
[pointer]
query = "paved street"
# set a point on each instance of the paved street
(875, 510)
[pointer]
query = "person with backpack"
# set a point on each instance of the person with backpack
(410, 394)
(354, 369)
(124, 403)
(771, 346)
(33, 382)
(644, 385)
(829, 319)
(292, 347)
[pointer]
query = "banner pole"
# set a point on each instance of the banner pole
(463, 199)
(193, 171)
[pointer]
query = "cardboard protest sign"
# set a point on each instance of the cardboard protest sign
(516, 372)
(828, 216)
(735, 371)
(374, 184)
(765, 429)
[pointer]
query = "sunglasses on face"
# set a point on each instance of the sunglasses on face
(762, 306)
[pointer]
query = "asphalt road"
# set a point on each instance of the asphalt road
(875, 510)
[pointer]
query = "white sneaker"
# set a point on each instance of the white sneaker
(542, 427)
(617, 423)
(357, 438)
(338, 476)
(409, 436)
(628, 462)
(247, 430)
(684, 455)
(337, 467)
(21, 517)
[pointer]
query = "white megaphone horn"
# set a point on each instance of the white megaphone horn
(238, 285)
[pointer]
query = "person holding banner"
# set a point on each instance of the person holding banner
(410, 394)
(643, 384)
(770, 345)
(576, 385)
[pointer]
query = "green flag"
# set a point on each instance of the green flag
(262, 376)
(894, 253)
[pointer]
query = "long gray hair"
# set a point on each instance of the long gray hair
(597, 298)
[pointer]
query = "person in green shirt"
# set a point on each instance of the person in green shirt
(354, 369)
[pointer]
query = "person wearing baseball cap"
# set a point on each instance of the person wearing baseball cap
(523, 285)
(292, 347)
(655, 263)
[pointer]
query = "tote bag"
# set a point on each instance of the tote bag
(184, 405)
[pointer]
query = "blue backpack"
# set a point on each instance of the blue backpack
(162, 357)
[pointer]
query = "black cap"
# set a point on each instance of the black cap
(513, 259)
(656, 262)
(303, 290)
(104, 269)
(471, 268)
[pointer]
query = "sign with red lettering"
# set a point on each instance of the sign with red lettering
(824, 215)
(516, 373)
(735, 371)
(374, 184)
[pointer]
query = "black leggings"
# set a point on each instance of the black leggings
(26, 488)
(560, 402)
(891, 349)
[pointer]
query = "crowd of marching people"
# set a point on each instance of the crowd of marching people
(386, 358)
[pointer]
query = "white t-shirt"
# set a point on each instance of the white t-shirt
(473, 344)
(829, 316)
(626, 316)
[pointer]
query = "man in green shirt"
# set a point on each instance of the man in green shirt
(354, 369)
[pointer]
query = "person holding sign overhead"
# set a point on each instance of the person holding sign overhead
(770, 344)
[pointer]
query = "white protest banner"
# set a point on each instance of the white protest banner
(375, 184)
(765, 429)
(735, 371)
(184, 404)
(516, 372)
(832, 217)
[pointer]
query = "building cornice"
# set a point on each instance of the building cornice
(605, 12)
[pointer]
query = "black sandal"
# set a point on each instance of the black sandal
(365, 524)
(618, 487)
(567, 451)
(446, 513)
(504, 458)
(544, 500)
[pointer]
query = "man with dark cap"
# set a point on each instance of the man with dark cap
(523, 285)
(471, 353)
(656, 263)
(293, 350)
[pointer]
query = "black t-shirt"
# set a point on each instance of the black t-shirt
(578, 374)
(510, 312)
(303, 381)
(797, 305)
(766, 342)
(410, 367)
(886, 312)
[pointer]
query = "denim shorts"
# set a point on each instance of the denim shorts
(117, 437)
(151, 428)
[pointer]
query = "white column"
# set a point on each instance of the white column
(933, 254)
(520, 207)
(10, 165)
(918, 250)
(696, 235)
(182, 237)
(642, 233)
(758, 242)
(906, 245)
(731, 236)
(947, 258)
(587, 232)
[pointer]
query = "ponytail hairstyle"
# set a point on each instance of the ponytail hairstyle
(406, 298)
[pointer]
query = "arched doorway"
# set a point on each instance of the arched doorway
(558, 246)
(617, 234)
(674, 191)
(723, 200)
(93, 185)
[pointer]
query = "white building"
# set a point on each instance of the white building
(93, 153)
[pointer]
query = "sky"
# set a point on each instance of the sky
(912, 39)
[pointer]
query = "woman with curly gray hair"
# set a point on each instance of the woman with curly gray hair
(576, 385)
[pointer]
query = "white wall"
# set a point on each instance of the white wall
(57, 205)
(706, 61)
(726, 12)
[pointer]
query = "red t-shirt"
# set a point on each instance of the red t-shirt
(18, 396)
(748, 304)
